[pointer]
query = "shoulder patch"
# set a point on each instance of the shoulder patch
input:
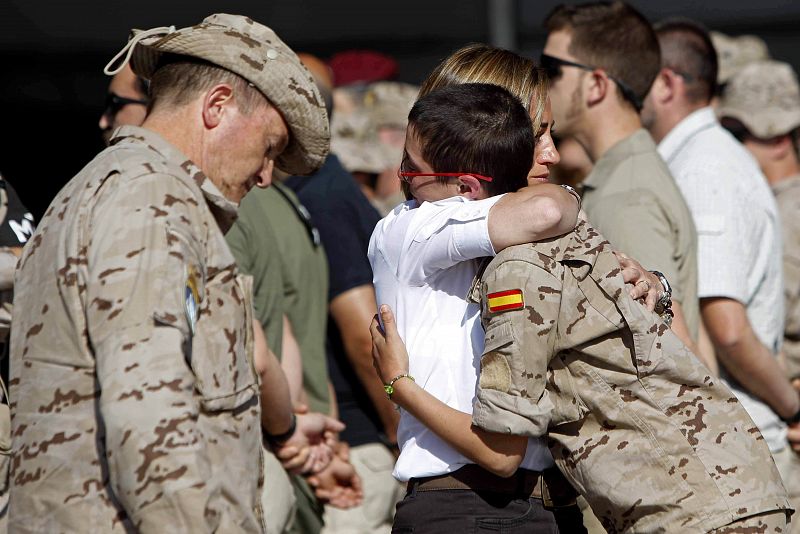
(192, 296)
(511, 299)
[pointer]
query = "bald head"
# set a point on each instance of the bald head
(323, 77)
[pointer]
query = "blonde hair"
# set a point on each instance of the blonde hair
(480, 63)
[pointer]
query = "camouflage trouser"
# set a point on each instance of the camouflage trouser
(788, 463)
(776, 521)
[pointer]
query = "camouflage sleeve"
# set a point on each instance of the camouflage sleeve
(790, 218)
(145, 243)
(520, 306)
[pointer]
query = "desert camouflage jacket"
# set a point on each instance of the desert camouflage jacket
(134, 397)
(787, 195)
(635, 422)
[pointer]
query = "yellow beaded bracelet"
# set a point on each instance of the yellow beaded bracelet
(389, 388)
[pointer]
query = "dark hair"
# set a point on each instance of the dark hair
(687, 49)
(612, 36)
(475, 127)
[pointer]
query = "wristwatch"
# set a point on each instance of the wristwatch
(793, 420)
(571, 190)
(665, 301)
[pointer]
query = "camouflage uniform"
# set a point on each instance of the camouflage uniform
(734, 53)
(787, 195)
(135, 400)
(637, 425)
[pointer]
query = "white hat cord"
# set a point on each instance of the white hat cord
(127, 50)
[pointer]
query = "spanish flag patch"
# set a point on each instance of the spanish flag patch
(505, 300)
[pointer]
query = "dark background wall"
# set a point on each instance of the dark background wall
(52, 54)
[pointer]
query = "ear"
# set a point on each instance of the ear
(470, 187)
(599, 85)
(216, 103)
(784, 144)
(665, 86)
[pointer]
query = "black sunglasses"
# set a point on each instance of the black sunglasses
(552, 65)
(114, 103)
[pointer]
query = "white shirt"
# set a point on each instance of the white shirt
(424, 260)
(739, 241)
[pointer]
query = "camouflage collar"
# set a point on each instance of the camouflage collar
(224, 211)
(584, 244)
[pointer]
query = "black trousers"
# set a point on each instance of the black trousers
(464, 512)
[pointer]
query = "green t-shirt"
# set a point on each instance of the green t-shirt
(304, 277)
(255, 247)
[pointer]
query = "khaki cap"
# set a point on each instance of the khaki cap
(254, 52)
(765, 97)
(355, 135)
(733, 53)
(388, 103)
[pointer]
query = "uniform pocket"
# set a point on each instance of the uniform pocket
(568, 405)
(498, 357)
(222, 348)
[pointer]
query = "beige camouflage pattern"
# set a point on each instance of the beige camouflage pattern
(636, 423)
(787, 196)
(257, 54)
(765, 97)
(733, 53)
(127, 415)
(361, 113)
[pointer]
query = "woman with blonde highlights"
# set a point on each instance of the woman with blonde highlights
(480, 63)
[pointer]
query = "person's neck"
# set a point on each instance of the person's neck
(671, 117)
(777, 171)
(606, 130)
(172, 127)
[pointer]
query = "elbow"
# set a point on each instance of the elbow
(502, 465)
(551, 218)
(505, 469)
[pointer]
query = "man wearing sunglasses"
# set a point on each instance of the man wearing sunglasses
(126, 103)
(602, 59)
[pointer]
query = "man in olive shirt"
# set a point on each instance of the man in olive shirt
(630, 195)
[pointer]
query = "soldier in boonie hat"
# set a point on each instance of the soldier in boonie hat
(258, 55)
(733, 53)
(765, 97)
(761, 107)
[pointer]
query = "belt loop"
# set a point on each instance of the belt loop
(412, 487)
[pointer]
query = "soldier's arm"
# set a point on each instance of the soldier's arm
(499, 453)
(140, 254)
(533, 213)
(521, 304)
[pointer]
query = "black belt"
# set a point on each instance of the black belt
(549, 486)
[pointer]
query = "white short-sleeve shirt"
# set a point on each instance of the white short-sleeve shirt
(739, 236)
(424, 259)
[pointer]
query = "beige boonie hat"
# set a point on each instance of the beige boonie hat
(355, 136)
(254, 52)
(765, 97)
(733, 53)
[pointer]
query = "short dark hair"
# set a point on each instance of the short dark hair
(687, 49)
(179, 79)
(612, 36)
(475, 127)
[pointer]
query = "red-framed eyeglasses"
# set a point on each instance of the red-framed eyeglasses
(406, 175)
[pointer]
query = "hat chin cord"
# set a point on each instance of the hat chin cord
(127, 50)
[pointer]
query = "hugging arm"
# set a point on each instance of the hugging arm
(499, 453)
